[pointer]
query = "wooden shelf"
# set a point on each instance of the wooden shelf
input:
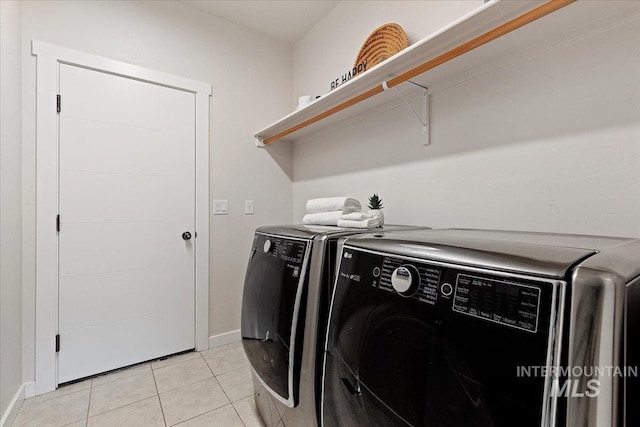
(496, 30)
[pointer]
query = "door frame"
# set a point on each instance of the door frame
(48, 59)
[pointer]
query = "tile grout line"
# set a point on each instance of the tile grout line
(164, 419)
(225, 393)
(225, 372)
(152, 370)
(22, 407)
(86, 420)
(110, 383)
(204, 413)
(90, 388)
(120, 407)
(187, 385)
(184, 385)
(209, 367)
(42, 400)
(238, 413)
(171, 364)
(103, 377)
(216, 378)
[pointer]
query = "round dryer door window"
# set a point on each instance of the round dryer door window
(411, 373)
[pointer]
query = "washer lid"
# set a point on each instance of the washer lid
(541, 254)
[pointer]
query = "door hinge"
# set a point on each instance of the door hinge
(58, 103)
(58, 223)
(58, 343)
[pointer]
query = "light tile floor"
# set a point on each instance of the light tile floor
(210, 388)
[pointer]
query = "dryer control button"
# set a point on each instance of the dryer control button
(376, 271)
(405, 280)
(446, 289)
(267, 245)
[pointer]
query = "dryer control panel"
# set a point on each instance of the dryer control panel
(279, 247)
(500, 299)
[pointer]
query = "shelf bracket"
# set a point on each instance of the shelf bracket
(425, 117)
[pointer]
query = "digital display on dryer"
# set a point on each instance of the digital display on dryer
(508, 303)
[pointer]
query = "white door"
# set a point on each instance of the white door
(127, 194)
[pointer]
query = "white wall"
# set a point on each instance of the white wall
(10, 205)
(251, 77)
(550, 143)
(330, 48)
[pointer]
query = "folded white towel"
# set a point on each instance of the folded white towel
(322, 218)
(363, 223)
(326, 204)
(357, 216)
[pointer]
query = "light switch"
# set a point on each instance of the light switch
(248, 207)
(220, 207)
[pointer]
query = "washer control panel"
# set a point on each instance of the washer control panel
(501, 301)
(419, 281)
(456, 290)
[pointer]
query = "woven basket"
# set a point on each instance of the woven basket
(381, 44)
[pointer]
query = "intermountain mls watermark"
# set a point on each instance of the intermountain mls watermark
(576, 381)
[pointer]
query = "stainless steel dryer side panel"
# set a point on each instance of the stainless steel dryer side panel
(597, 333)
(300, 415)
(308, 364)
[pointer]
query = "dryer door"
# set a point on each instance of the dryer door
(271, 308)
(409, 359)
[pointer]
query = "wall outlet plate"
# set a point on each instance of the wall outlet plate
(248, 207)
(221, 207)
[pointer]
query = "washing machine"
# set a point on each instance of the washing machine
(456, 328)
(284, 310)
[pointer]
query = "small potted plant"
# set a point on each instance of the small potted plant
(375, 208)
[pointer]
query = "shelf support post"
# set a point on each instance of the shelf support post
(426, 124)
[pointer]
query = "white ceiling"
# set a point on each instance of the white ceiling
(285, 20)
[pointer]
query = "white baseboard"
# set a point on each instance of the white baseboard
(14, 406)
(226, 338)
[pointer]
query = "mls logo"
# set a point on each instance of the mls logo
(571, 388)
